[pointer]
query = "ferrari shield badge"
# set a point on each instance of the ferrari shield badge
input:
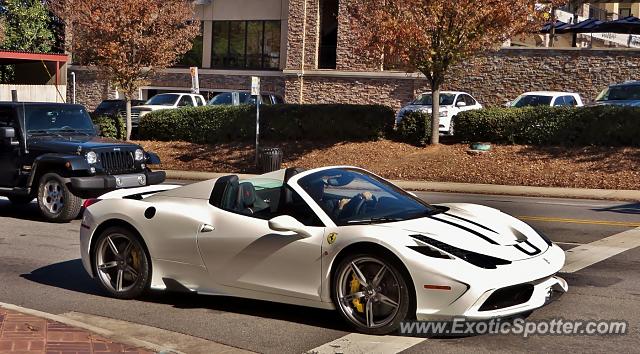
(331, 238)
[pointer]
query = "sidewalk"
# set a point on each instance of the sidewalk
(26, 333)
(492, 189)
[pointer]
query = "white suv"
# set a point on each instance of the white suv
(451, 103)
(547, 98)
(166, 101)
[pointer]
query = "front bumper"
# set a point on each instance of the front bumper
(108, 183)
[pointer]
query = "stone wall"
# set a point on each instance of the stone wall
(91, 89)
(493, 79)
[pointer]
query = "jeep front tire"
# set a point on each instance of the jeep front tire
(56, 201)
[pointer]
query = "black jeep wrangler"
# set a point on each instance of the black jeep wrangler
(50, 151)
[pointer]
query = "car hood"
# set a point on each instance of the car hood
(479, 229)
(73, 144)
(424, 108)
(150, 108)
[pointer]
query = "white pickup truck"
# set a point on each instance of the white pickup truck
(166, 101)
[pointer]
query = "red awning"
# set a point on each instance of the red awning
(15, 57)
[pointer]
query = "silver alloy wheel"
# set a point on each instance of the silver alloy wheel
(53, 196)
(118, 262)
(378, 292)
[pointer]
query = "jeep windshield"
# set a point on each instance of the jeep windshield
(620, 93)
(57, 119)
(163, 100)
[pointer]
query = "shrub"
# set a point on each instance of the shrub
(582, 126)
(213, 124)
(111, 127)
(415, 128)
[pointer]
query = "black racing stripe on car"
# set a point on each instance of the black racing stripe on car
(537, 250)
(470, 222)
(466, 229)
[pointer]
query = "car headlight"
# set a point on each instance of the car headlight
(443, 114)
(92, 158)
(139, 155)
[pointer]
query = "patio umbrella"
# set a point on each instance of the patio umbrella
(627, 25)
(558, 25)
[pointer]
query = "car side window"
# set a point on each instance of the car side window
(559, 101)
(199, 101)
(570, 101)
(185, 101)
(469, 100)
(460, 99)
(266, 99)
(293, 205)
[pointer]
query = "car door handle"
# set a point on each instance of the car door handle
(207, 228)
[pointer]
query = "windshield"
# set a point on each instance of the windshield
(109, 105)
(163, 100)
(446, 99)
(47, 119)
(350, 197)
(532, 100)
(622, 93)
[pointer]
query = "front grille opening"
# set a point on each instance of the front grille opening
(507, 297)
(117, 162)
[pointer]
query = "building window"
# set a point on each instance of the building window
(194, 56)
(328, 34)
(246, 45)
(624, 12)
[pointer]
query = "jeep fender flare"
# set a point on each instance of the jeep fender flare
(62, 162)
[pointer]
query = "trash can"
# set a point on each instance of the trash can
(269, 159)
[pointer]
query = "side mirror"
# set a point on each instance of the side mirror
(461, 104)
(286, 223)
(507, 104)
(7, 133)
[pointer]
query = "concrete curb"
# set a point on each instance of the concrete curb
(100, 331)
(493, 189)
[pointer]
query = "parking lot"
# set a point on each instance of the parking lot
(40, 269)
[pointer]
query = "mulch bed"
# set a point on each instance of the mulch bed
(586, 167)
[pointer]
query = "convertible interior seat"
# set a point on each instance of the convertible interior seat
(225, 192)
(246, 198)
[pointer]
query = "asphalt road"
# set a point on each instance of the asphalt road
(40, 269)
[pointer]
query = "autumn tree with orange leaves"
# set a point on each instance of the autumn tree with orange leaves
(128, 41)
(432, 35)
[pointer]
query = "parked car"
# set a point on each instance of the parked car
(166, 101)
(624, 94)
(321, 238)
(451, 103)
(50, 152)
(114, 107)
(547, 98)
(241, 97)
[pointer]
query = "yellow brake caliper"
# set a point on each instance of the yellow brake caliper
(135, 258)
(355, 287)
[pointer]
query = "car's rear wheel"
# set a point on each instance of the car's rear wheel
(121, 263)
(371, 293)
(57, 203)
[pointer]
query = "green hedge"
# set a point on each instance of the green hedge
(598, 125)
(415, 128)
(111, 127)
(214, 124)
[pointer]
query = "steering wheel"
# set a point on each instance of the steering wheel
(356, 205)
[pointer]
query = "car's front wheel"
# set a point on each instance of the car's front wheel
(371, 293)
(121, 263)
(57, 203)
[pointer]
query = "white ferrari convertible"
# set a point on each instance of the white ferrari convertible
(333, 238)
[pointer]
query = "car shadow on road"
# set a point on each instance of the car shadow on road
(70, 275)
(28, 212)
(630, 208)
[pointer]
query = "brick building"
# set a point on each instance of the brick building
(304, 51)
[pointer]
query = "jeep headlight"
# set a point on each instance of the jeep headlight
(443, 114)
(92, 158)
(139, 155)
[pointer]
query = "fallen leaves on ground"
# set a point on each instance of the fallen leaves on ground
(585, 167)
